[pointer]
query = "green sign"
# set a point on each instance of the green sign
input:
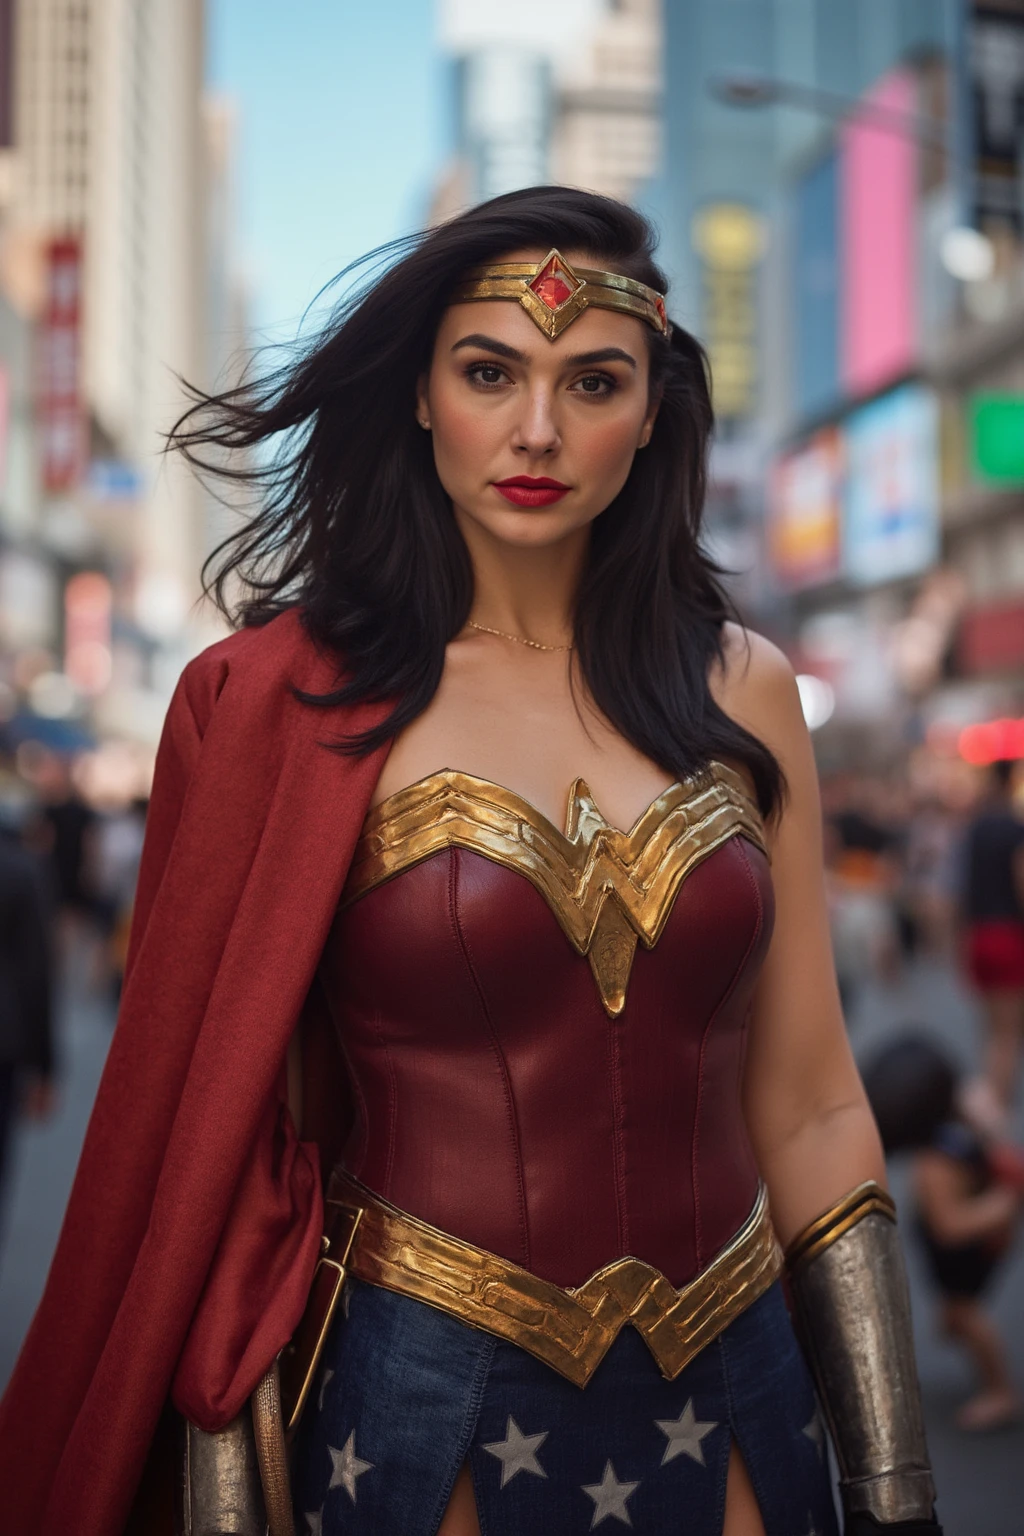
(997, 437)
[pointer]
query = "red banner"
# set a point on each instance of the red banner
(992, 639)
(61, 422)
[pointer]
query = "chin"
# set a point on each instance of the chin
(532, 529)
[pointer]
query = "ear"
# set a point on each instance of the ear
(653, 407)
(422, 403)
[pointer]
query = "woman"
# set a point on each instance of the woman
(476, 585)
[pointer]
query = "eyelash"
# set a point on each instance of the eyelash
(474, 371)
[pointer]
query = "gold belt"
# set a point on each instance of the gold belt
(569, 1330)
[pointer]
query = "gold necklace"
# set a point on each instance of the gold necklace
(534, 645)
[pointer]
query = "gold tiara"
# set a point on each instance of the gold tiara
(554, 294)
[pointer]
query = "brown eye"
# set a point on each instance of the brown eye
(488, 374)
(595, 384)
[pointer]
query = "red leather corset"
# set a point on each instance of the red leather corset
(545, 1031)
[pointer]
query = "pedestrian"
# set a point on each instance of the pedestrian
(967, 1197)
(26, 1022)
(992, 913)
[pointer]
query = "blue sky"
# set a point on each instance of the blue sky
(341, 117)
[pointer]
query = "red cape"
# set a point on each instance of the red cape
(194, 1221)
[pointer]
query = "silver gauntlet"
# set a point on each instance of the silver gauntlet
(853, 1313)
(219, 1489)
(235, 1482)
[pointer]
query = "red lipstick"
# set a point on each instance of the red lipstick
(524, 491)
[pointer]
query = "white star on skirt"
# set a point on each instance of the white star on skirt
(685, 1435)
(609, 1496)
(347, 1467)
(314, 1519)
(517, 1452)
(815, 1433)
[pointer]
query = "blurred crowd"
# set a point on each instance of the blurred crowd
(71, 831)
(916, 874)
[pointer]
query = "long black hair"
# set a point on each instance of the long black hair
(353, 525)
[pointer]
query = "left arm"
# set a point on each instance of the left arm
(818, 1149)
(812, 1131)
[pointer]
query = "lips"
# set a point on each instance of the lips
(525, 491)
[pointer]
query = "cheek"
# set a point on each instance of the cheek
(463, 433)
(606, 447)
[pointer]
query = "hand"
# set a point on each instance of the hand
(39, 1098)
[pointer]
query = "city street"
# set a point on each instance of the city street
(978, 1476)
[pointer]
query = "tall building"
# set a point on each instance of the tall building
(501, 96)
(718, 156)
(103, 249)
(582, 111)
(841, 199)
(607, 107)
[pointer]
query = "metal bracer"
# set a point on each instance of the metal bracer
(853, 1313)
(235, 1482)
(219, 1488)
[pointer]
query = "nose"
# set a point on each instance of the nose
(536, 433)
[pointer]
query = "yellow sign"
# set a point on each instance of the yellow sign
(729, 238)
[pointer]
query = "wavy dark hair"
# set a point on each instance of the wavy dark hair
(352, 523)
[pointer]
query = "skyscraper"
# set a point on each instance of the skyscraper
(108, 171)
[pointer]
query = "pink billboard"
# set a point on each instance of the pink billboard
(877, 208)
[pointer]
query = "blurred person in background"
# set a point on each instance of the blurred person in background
(967, 1199)
(992, 914)
(64, 832)
(928, 875)
(26, 1004)
(529, 897)
(862, 881)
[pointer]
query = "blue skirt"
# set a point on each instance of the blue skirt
(407, 1394)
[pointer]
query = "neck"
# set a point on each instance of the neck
(525, 590)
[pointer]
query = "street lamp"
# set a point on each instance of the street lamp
(741, 88)
(966, 253)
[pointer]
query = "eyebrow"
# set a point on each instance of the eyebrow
(488, 344)
(577, 360)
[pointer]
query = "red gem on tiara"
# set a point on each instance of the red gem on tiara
(553, 284)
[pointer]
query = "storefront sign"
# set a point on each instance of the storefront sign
(996, 64)
(61, 421)
(88, 605)
(891, 505)
(729, 239)
(997, 437)
(805, 512)
(28, 601)
(878, 239)
(991, 639)
(991, 741)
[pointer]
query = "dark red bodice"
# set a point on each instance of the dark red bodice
(498, 1100)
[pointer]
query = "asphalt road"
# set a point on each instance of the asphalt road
(980, 1478)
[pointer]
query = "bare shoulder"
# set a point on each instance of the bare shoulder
(754, 684)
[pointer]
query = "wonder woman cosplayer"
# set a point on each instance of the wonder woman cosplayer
(480, 1072)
